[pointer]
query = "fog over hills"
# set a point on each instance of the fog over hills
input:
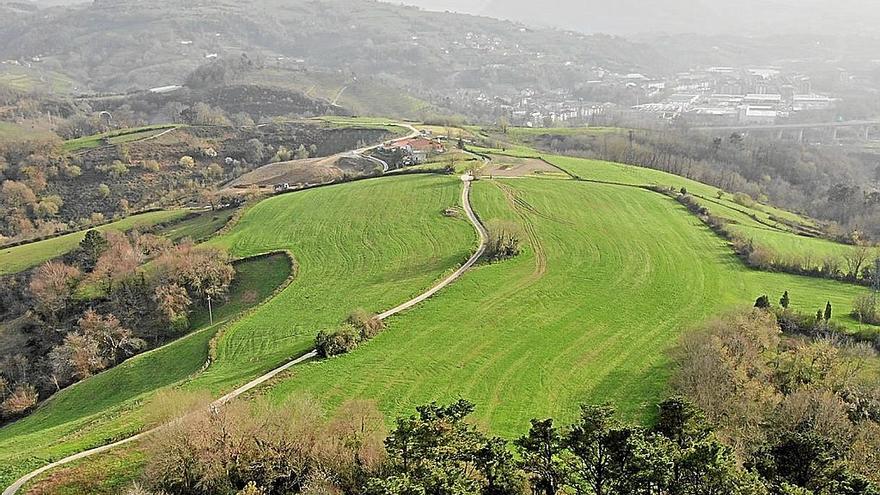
(748, 17)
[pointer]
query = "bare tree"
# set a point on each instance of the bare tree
(52, 287)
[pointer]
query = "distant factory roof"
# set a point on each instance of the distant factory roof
(721, 70)
(772, 98)
(715, 111)
(812, 98)
(760, 111)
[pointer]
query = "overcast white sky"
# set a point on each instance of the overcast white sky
(751, 17)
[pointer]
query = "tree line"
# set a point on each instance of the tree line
(840, 188)
(97, 306)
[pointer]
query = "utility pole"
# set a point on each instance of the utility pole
(210, 310)
(875, 284)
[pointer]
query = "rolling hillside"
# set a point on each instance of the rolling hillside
(354, 247)
(612, 276)
(120, 44)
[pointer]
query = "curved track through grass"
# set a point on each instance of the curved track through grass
(611, 276)
(368, 244)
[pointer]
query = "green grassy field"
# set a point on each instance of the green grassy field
(378, 123)
(370, 244)
(19, 258)
(359, 96)
(198, 228)
(69, 421)
(14, 131)
(116, 137)
(765, 230)
(611, 277)
(33, 78)
(522, 134)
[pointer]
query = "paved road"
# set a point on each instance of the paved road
(484, 238)
(481, 230)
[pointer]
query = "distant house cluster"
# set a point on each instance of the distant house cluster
(413, 151)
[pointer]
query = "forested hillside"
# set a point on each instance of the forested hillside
(118, 45)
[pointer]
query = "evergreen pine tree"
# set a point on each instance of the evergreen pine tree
(785, 301)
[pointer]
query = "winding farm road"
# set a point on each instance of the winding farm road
(483, 235)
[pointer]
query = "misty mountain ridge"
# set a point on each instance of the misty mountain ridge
(626, 17)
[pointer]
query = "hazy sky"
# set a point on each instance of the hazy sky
(751, 17)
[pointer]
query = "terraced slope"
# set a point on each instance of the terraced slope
(611, 276)
(370, 244)
(19, 258)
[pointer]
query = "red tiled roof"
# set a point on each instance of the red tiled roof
(420, 144)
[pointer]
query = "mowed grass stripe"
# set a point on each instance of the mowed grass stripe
(627, 272)
(780, 238)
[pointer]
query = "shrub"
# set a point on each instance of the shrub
(20, 401)
(763, 302)
(504, 242)
(761, 257)
(72, 171)
(341, 341)
(367, 324)
(744, 199)
(865, 309)
(187, 162)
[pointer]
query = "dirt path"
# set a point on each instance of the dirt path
(484, 238)
(481, 231)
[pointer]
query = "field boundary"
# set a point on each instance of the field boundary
(294, 271)
(483, 236)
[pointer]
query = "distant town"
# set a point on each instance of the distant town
(710, 96)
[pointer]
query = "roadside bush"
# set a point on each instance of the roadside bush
(341, 341)
(504, 241)
(367, 324)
